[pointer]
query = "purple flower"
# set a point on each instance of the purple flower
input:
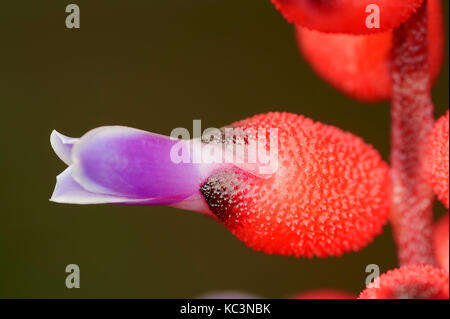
(115, 164)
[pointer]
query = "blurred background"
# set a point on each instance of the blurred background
(155, 65)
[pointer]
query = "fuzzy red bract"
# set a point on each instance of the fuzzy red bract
(330, 194)
(325, 294)
(437, 166)
(410, 282)
(360, 65)
(345, 16)
(441, 244)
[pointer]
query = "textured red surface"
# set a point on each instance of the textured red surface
(325, 294)
(345, 16)
(330, 194)
(437, 166)
(441, 242)
(410, 282)
(359, 66)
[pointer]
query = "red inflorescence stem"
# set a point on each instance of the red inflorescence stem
(412, 120)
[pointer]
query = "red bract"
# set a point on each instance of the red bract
(360, 65)
(325, 294)
(441, 243)
(345, 16)
(330, 194)
(437, 165)
(410, 282)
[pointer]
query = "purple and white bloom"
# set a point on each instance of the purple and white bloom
(123, 165)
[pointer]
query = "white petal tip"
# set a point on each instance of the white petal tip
(62, 145)
(68, 191)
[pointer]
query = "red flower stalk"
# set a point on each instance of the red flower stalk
(329, 195)
(437, 167)
(410, 282)
(441, 242)
(412, 120)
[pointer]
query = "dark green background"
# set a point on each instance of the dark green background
(154, 65)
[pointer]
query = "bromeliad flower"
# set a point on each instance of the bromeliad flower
(326, 192)
(328, 195)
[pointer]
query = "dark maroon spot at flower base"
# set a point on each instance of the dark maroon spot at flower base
(224, 190)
